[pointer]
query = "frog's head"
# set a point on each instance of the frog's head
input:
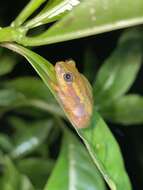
(66, 73)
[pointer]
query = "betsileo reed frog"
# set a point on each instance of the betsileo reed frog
(74, 92)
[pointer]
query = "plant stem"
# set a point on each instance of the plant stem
(9, 34)
(27, 11)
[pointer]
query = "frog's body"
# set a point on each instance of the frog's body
(74, 92)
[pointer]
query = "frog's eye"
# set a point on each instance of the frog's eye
(68, 77)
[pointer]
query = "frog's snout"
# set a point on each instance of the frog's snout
(58, 67)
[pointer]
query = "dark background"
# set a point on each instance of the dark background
(129, 138)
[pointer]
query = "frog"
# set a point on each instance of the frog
(74, 93)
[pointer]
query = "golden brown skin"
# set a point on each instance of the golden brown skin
(75, 93)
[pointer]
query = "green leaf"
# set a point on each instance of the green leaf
(35, 91)
(128, 110)
(12, 179)
(9, 97)
(90, 63)
(31, 138)
(112, 168)
(119, 71)
(7, 64)
(44, 68)
(76, 168)
(89, 18)
(36, 95)
(37, 169)
(105, 153)
(46, 71)
(53, 10)
(27, 11)
(5, 143)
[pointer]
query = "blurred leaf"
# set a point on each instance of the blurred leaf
(19, 125)
(89, 18)
(5, 143)
(51, 108)
(36, 95)
(12, 179)
(33, 112)
(1, 51)
(90, 63)
(7, 64)
(128, 110)
(76, 168)
(31, 138)
(37, 169)
(31, 87)
(119, 71)
(10, 97)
